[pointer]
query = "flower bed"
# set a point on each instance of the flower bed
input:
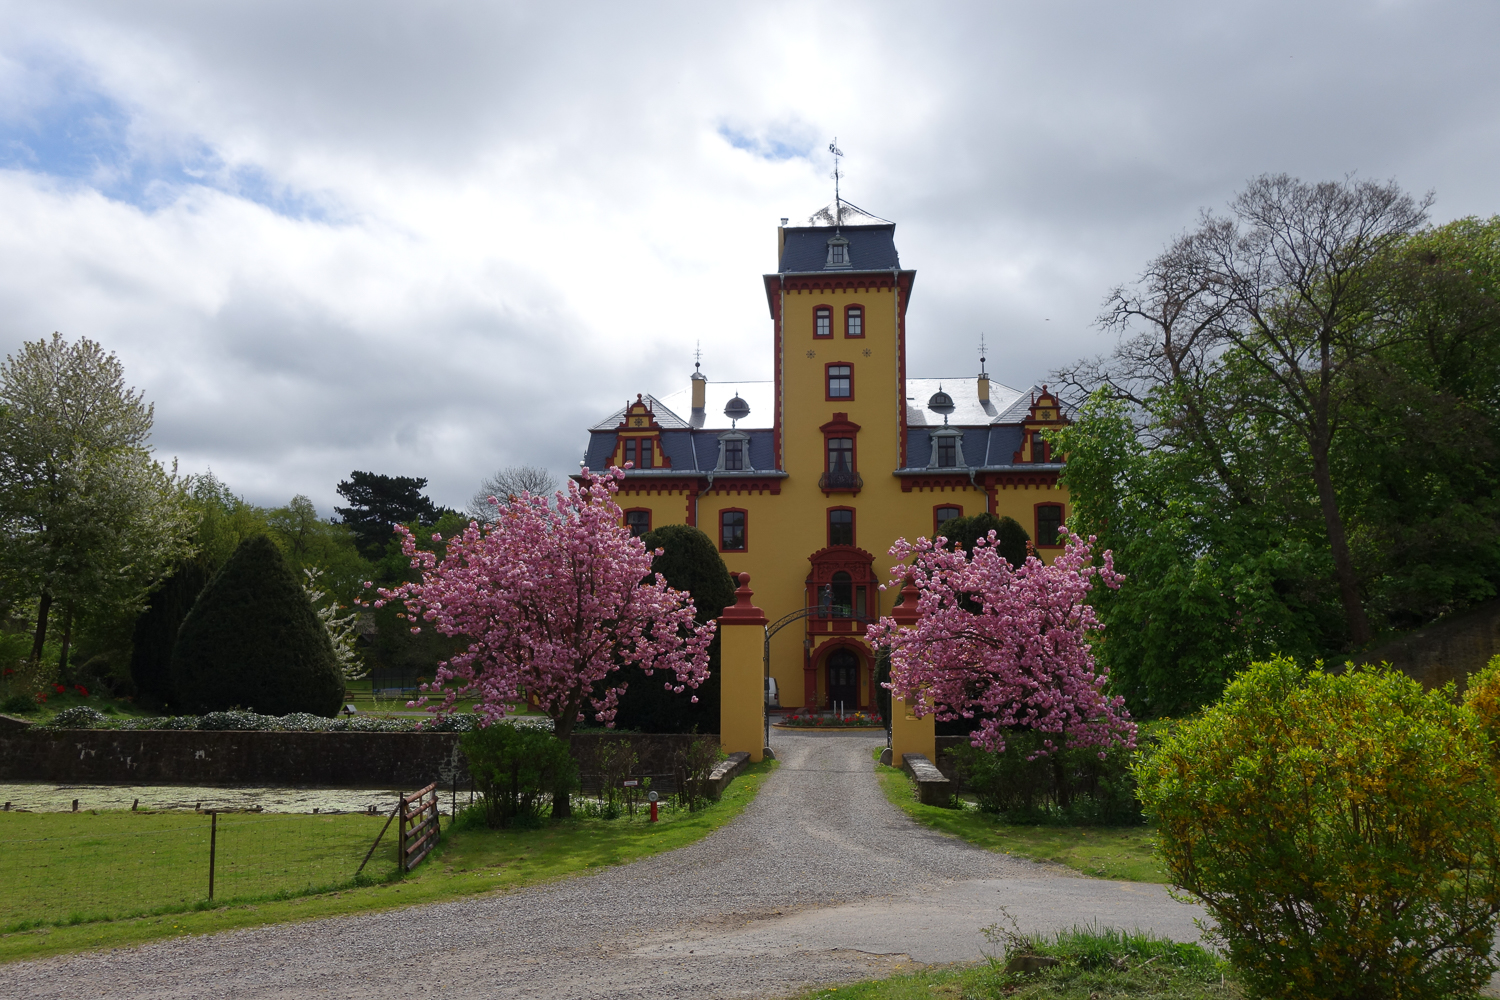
(853, 720)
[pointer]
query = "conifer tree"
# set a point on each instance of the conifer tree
(254, 641)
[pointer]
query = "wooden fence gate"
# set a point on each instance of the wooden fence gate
(418, 813)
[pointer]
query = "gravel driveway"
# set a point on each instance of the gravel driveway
(819, 881)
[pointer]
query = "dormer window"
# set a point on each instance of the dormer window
(734, 452)
(947, 449)
(838, 252)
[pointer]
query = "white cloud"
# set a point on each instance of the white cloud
(436, 239)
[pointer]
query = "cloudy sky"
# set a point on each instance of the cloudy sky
(439, 238)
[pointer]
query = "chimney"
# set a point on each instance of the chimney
(984, 388)
(780, 241)
(700, 391)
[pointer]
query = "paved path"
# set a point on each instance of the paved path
(820, 880)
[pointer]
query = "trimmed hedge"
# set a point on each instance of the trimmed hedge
(253, 641)
(83, 717)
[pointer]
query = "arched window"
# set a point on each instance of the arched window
(638, 521)
(732, 535)
(1049, 518)
(942, 515)
(823, 322)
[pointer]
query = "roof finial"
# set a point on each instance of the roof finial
(698, 356)
(981, 354)
(838, 205)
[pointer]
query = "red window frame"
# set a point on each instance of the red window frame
(822, 310)
(1037, 439)
(1036, 523)
(827, 378)
(850, 310)
(841, 427)
(944, 506)
(744, 529)
(853, 524)
(637, 510)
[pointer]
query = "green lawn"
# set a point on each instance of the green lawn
(105, 867)
(1126, 853)
(1093, 964)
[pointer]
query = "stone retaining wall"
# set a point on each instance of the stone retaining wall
(350, 760)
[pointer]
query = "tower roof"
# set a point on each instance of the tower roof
(870, 243)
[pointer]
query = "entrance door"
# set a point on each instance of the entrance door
(843, 679)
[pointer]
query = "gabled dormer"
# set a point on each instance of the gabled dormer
(638, 438)
(1046, 414)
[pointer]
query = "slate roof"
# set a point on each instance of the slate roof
(871, 248)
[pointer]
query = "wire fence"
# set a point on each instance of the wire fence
(67, 868)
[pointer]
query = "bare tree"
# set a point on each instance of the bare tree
(1265, 314)
(513, 480)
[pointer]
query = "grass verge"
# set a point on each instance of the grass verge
(1126, 853)
(466, 863)
(1091, 964)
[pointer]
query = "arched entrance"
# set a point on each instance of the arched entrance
(843, 667)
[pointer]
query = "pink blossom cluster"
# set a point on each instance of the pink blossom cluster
(553, 598)
(1006, 646)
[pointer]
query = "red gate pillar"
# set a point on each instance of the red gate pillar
(742, 695)
(910, 734)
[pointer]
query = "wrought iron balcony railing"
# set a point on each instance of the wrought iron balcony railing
(840, 481)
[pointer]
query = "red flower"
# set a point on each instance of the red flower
(59, 688)
(81, 690)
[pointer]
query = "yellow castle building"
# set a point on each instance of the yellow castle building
(806, 480)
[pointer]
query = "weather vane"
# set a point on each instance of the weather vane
(698, 355)
(838, 205)
(981, 353)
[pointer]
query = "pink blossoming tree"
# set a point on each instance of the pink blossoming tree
(553, 599)
(1008, 646)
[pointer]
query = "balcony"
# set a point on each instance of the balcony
(841, 482)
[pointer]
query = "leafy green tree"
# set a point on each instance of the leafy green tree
(253, 640)
(311, 543)
(518, 768)
(689, 561)
(88, 519)
(378, 503)
(1371, 813)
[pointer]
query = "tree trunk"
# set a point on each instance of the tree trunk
(67, 642)
(562, 804)
(44, 609)
(1343, 562)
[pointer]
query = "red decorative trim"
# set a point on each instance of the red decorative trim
(900, 307)
(647, 486)
(847, 281)
(864, 315)
(746, 537)
(850, 559)
(838, 399)
(936, 481)
(828, 524)
(692, 508)
(743, 611)
(1036, 522)
(1020, 480)
(777, 312)
(905, 611)
(726, 487)
(831, 311)
(944, 506)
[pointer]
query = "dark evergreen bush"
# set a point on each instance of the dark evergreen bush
(689, 561)
(156, 633)
(518, 769)
(964, 532)
(253, 641)
(1070, 786)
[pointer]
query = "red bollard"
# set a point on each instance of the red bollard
(652, 797)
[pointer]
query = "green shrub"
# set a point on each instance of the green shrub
(253, 641)
(517, 770)
(1343, 832)
(1070, 787)
(691, 767)
(965, 532)
(19, 704)
(77, 717)
(155, 633)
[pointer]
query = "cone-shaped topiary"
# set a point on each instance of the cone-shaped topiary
(253, 641)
